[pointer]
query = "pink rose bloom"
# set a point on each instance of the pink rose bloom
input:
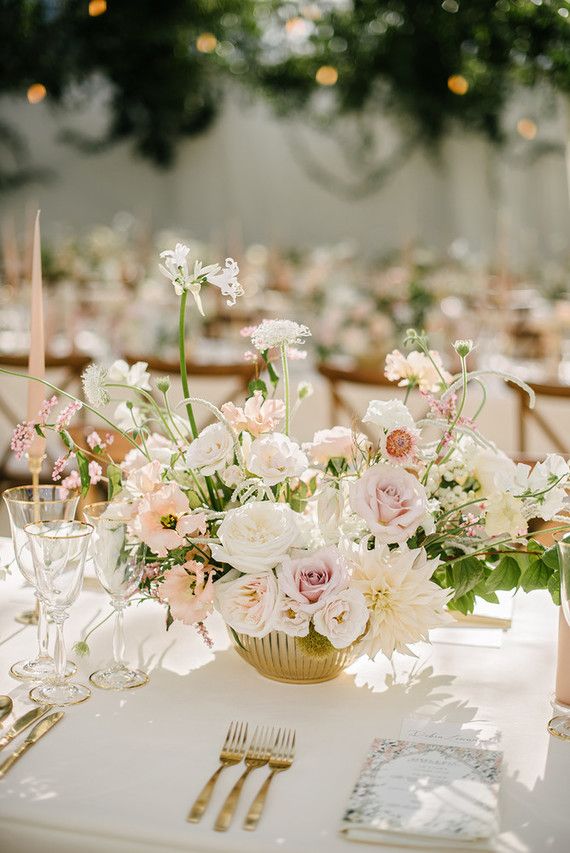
(163, 520)
(391, 501)
(257, 416)
(334, 443)
(188, 590)
(313, 580)
(248, 602)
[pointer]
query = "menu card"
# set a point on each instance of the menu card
(412, 793)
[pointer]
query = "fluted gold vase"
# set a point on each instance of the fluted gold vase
(279, 657)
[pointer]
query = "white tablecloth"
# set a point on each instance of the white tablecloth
(120, 771)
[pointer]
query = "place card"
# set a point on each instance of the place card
(413, 793)
(480, 734)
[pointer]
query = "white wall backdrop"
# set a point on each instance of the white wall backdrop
(240, 179)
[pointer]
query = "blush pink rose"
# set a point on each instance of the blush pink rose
(189, 592)
(338, 442)
(313, 579)
(391, 501)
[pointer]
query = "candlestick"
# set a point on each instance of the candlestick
(36, 362)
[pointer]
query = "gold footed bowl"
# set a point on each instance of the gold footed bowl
(279, 657)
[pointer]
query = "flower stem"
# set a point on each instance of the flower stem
(285, 368)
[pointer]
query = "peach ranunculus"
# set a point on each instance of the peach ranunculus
(189, 592)
(416, 369)
(338, 442)
(314, 579)
(391, 501)
(257, 416)
(163, 520)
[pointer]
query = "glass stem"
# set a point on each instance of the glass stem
(43, 632)
(118, 636)
(60, 654)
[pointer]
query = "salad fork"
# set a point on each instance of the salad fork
(257, 755)
(281, 759)
(231, 753)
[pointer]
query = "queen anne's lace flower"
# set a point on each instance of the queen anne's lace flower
(94, 380)
(272, 334)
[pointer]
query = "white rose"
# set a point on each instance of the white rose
(343, 619)
(504, 515)
(247, 603)
(388, 415)
(257, 536)
(291, 618)
(275, 457)
(212, 451)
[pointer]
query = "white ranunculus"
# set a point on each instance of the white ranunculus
(247, 603)
(275, 457)
(343, 619)
(137, 375)
(291, 618)
(504, 515)
(256, 537)
(388, 415)
(490, 468)
(212, 451)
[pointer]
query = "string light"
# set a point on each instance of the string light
(457, 84)
(527, 128)
(327, 75)
(36, 93)
(206, 43)
(97, 7)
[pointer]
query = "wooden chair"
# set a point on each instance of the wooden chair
(71, 366)
(527, 416)
(337, 377)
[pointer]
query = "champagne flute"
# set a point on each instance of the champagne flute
(119, 565)
(25, 505)
(559, 725)
(58, 550)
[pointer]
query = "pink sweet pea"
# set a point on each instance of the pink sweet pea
(188, 590)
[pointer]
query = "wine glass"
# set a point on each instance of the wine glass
(559, 725)
(119, 565)
(58, 550)
(28, 504)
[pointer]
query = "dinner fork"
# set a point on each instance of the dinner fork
(281, 759)
(231, 752)
(257, 755)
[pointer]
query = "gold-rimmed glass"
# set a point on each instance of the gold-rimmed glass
(26, 505)
(58, 550)
(559, 725)
(119, 563)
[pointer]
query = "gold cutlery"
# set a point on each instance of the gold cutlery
(39, 730)
(6, 706)
(22, 723)
(281, 759)
(232, 752)
(257, 755)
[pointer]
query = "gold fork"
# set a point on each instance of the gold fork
(281, 759)
(231, 752)
(258, 754)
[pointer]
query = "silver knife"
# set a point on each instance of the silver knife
(22, 723)
(39, 730)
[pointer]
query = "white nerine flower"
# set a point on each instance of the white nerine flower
(275, 457)
(175, 268)
(402, 600)
(212, 451)
(277, 333)
(94, 379)
(136, 375)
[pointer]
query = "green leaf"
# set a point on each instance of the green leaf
(83, 465)
(551, 558)
(67, 439)
(465, 603)
(553, 587)
(257, 385)
(480, 591)
(466, 574)
(39, 430)
(169, 619)
(536, 576)
(194, 499)
(505, 576)
(273, 375)
(115, 480)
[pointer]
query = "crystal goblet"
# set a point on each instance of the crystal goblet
(27, 505)
(58, 550)
(119, 565)
(559, 725)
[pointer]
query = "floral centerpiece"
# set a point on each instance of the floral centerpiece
(322, 552)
